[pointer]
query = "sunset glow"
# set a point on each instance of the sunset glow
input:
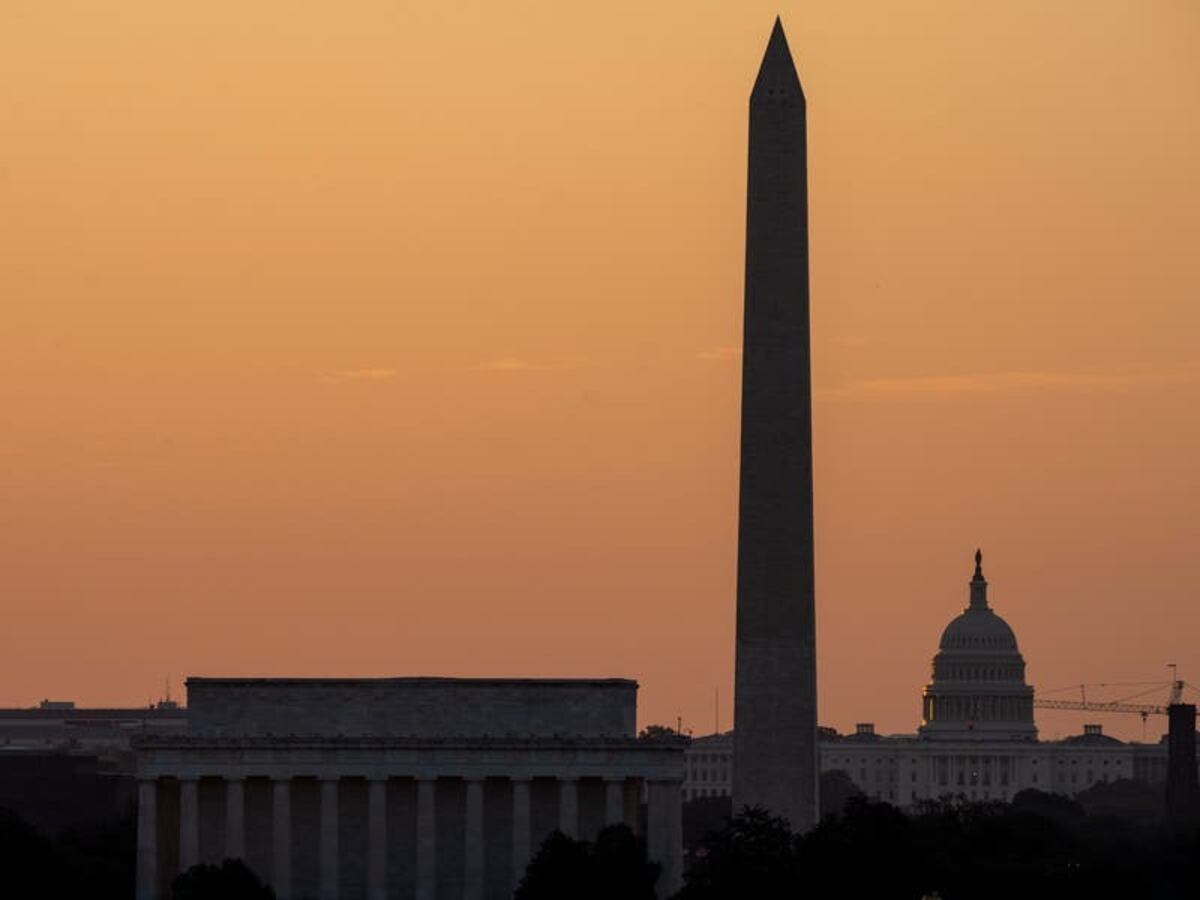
(389, 338)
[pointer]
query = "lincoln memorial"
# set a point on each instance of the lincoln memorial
(421, 788)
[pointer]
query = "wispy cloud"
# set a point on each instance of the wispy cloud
(509, 364)
(521, 364)
(1008, 382)
(367, 374)
(371, 374)
(721, 353)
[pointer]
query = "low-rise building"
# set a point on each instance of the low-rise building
(55, 725)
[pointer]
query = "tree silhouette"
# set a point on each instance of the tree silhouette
(659, 733)
(1058, 807)
(834, 856)
(1134, 801)
(837, 789)
(753, 856)
(615, 867)
(96, 862)
(703, 816)
(231, 880)
(27, 860)
(621, 867)
(1043, 848)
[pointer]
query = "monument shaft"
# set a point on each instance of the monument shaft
(775, 705)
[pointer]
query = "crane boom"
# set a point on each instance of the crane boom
(1122, 705)
(1092, 706)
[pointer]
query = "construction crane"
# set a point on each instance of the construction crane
(1145, 709)
(1121, 704)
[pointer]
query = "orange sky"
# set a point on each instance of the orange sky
(378, 338)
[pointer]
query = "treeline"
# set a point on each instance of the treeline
(1113, 845)
(1111, 842)
(1039, 846)
(93, 862)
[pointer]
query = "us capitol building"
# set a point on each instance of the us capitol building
(977, 737)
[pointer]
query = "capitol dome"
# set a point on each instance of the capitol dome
(978, 689)
(978, 629)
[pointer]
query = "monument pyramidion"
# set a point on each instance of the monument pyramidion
(775, 692)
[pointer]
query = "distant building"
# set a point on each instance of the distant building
(708, 766)
(63, 766)
(905, 769)
(878, 766)
(425, 788)
(977, 737)
(61, 726)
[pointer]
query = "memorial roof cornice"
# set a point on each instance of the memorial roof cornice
(419, 680)
(507, 742)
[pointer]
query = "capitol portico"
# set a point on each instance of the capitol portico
(424, 788)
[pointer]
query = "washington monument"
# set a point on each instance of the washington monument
(775, 689)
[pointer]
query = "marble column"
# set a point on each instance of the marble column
(377, 839)
(568, 807)
(426, 839)
(521, 828)
(189, 823)
(614, 801)
(147, 840)
(664, 833)
(235, 818)
(281, 837)
(473, 845)
(329, 839)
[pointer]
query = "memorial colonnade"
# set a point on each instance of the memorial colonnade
(339, 823)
